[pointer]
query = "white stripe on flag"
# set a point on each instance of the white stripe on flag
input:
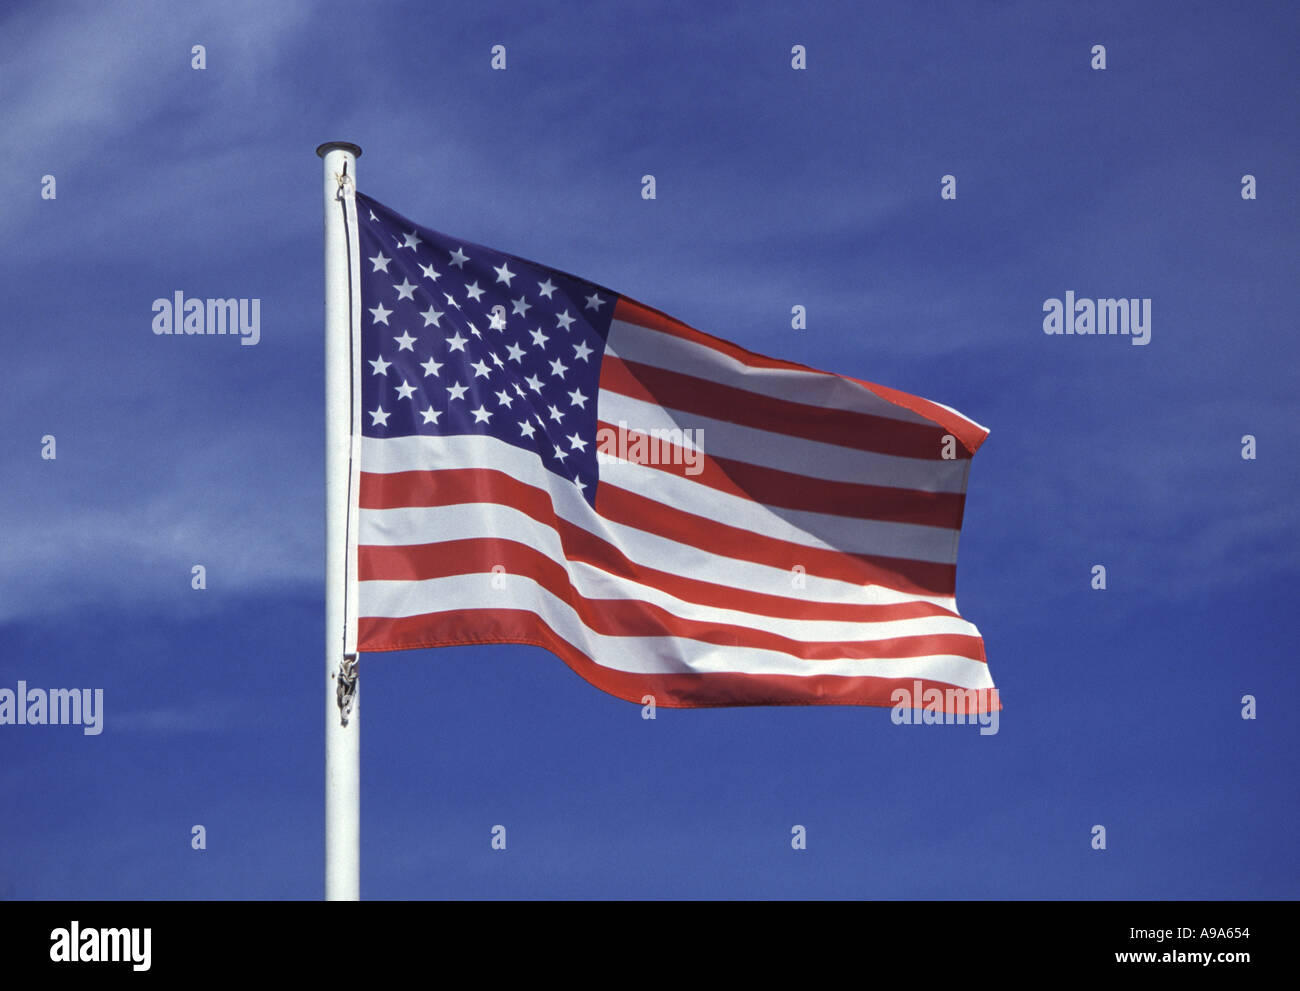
(653, 655)
(395, 526)
(793, 454)
(632, 342)
(486, 521)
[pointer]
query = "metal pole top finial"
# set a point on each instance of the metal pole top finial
(329, 146)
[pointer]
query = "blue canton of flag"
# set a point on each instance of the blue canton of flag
(459, 339)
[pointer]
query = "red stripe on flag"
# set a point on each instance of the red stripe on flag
(416, 562)
(788, 490)
(652, 319)
(674, 691)
(635, 618)
(969, 434)
(690, 394)
(394, 490)
(901, 574)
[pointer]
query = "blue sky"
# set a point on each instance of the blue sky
(774, 187)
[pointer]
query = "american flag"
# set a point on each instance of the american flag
(546, 462)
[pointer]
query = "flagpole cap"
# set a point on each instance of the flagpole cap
(330, 146)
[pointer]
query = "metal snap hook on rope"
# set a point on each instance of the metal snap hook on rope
(346, 689)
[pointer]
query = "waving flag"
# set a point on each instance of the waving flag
(546, 462)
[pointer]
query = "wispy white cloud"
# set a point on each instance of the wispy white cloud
(215, 717)
(132, 540)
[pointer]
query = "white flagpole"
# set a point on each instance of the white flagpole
(342, 436)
